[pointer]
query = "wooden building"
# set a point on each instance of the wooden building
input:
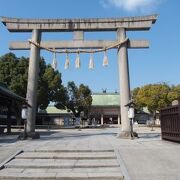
(10, 108)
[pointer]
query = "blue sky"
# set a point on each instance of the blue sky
(159, 63)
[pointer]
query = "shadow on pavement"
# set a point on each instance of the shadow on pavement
(149, 135)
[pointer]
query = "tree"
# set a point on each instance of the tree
(49, 85)
(174, 94)
(152, 96)
(134, 93)
(77, 99)
(14, 73)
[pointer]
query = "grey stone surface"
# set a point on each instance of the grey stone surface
(8, 146)
(33, 74)
(69, 155)
(93, 44)
(145, 158)
(63, 163)
(96, 24)
(86, 170)
(124, 83)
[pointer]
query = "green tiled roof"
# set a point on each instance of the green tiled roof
(105, 99)
(51, 109)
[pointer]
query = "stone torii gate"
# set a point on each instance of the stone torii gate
(78, 27)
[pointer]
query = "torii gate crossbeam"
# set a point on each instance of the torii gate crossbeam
(79, 26)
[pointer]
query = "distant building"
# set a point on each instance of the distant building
(105, 109)
(54, 116)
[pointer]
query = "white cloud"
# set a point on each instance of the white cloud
(132, 5)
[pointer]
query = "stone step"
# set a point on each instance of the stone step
(65, 150)
(62, 175)
(64, 170)
(61, 163)
(66, 155)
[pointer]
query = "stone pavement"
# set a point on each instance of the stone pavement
(92, 154)
(8, 146)
(149, 157)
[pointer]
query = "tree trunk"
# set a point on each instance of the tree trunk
(154, 119)
(154, 116)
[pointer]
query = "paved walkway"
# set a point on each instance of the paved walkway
(145, 158)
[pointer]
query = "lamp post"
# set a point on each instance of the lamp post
(131, 116)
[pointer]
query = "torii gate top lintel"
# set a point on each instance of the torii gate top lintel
(93, 24)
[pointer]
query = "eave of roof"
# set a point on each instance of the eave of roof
(6, 92)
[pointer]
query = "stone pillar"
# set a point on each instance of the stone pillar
(102, 119)
(78, 35)
(33, 74)
(124, 83)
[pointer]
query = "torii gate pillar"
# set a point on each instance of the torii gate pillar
(124, 83)
(33, 74)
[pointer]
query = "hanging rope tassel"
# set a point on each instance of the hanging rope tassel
(66, 66)
(77, 62)
(91, 62)
(54, 63)
(105, 59)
